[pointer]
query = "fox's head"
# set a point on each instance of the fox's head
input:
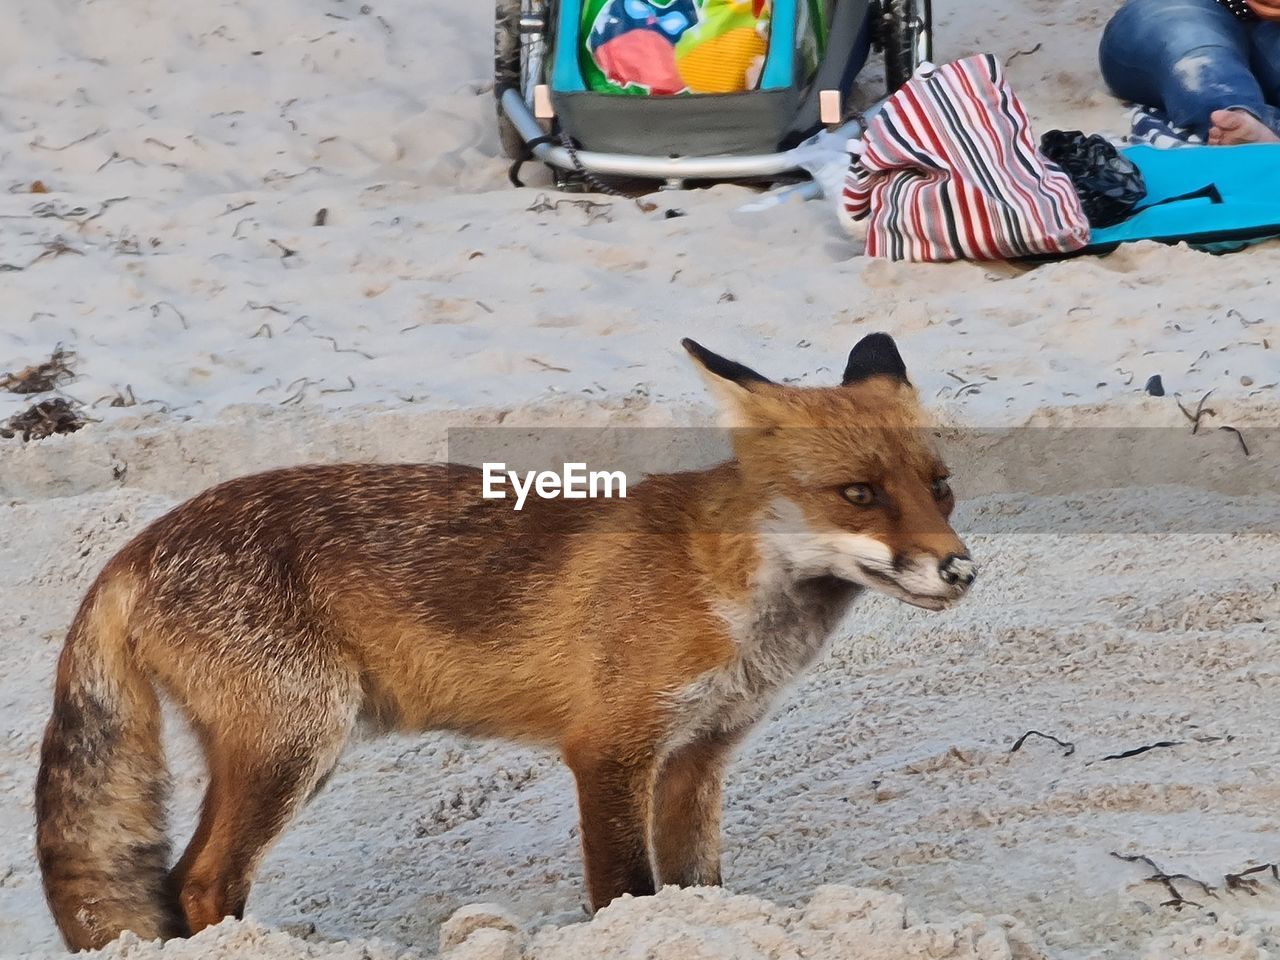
(845, 478)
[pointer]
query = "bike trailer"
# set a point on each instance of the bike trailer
(689, 89)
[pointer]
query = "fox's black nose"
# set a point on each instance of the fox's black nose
(958, 569)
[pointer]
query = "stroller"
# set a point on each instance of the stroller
(680, 90)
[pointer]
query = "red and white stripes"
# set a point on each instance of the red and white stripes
(949, 171)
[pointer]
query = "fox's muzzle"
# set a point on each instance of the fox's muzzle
(926, 581)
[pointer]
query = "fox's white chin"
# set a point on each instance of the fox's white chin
(928, 603)
(925, 601)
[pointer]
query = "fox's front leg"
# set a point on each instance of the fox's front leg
(686, 814)
(614, 801)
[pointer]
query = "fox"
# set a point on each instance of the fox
(641, 638)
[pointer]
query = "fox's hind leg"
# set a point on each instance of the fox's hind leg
(686, 814)
(261, 774)
(614, 802)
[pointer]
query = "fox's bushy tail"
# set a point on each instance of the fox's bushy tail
(102, 790)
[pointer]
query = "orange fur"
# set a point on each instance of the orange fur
(639, 637)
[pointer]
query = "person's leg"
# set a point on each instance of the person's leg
(1261, 125)
(1266, 59)
(1190, 57)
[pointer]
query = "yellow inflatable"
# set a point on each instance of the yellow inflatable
(725, 51)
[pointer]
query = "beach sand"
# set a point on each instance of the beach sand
(187, 150)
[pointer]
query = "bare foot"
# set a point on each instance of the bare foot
(1231, 127)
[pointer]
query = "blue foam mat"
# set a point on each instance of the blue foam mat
(1244, 206)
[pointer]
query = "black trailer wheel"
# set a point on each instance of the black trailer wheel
(905, 33)
(507, 70)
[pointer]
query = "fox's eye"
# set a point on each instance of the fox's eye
(859, 494)
(941, 489)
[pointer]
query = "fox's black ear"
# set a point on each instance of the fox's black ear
(875, 355)
(721, 367)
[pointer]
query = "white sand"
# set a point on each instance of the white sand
(446, 301)
(889, 768)
(452, 293)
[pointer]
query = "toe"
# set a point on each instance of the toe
(1229, 122)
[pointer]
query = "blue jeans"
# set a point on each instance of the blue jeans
(1192, 57)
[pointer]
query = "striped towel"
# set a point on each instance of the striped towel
(1152, 126)
(949, 171)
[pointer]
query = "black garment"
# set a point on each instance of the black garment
(1239, 8)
